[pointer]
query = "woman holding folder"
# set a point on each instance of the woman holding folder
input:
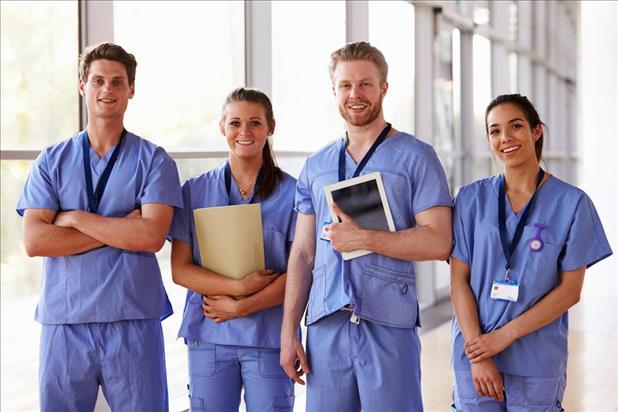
(523, 241)
(234, 343)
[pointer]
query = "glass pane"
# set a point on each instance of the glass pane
(40, 99)
(442, 280)
(513, 72)
(447, 112)
(20, 284)
(513, 21)
(481, 167)
(477, 10)
(304, 35)
(190, 55)
(391, 25)
(481, 80)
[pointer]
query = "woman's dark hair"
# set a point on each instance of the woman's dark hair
(272, 173)
(532, 116)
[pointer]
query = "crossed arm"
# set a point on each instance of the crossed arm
(479, 347)
(51, 233)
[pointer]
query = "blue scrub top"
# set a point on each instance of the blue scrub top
(379, 288)
(574, 238)
(260, 329)
(104, 284)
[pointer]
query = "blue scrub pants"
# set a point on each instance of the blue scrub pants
(217, 373)
(522, 394)
(126, 358)
(365, 365)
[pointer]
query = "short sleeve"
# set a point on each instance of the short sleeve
(586, 243)
(162, 184)
(303, 203)
(182, 224)
(461, 249)
(39, 191)
(430, 188)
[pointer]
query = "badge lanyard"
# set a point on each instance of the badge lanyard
(506, 248)
(94, 196)
(359, 167)
(228, 182)
(365, 159)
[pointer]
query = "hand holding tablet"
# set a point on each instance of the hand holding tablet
(362, 199)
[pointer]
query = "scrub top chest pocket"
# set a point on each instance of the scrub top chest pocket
(538, 268)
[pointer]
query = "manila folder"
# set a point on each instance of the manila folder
(230, 239)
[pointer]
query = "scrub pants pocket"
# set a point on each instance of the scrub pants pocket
(466, 399)
(196, 404)
(534, 394)
(283, 404)
(268, 364)
(545, 393)
(201, 365)
(201, 359)
(267, 387)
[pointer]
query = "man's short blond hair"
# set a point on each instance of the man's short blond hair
(361, 50)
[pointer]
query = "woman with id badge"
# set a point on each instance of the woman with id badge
(233, 342)
(523, 240)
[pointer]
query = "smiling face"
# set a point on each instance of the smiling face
(106, 90)
(511, 137)
(358, 91)
(246, 128)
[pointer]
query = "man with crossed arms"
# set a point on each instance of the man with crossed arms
(98, 206)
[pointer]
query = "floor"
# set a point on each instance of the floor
(592, 371)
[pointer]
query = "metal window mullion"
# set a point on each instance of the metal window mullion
(423, 69)
(500, 70)
(96, 25)
(258, 45)
(357, 21)
(467, 101)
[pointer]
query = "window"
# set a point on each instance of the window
(304, 34)
(391, 29)
(39, 73)
(481, 80)
(446, 122)
(39, 107)
(447, 89)
(477, 10)
(190, 55)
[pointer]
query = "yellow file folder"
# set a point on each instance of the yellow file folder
(230, 239)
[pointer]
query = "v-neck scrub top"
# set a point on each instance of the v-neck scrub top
(380, 289)
(260, 329)
(105, 284)
(574, 238)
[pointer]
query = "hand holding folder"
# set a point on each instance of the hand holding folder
(230, 239)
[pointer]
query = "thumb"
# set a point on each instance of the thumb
(342, 215)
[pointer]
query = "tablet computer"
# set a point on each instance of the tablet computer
(363, 198)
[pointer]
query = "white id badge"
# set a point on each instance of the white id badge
(325, 234)
(505, 290)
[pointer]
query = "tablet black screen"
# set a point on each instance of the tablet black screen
(363, 203)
